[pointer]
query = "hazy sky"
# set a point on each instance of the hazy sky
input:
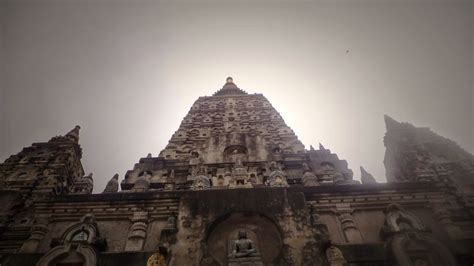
(129, 71)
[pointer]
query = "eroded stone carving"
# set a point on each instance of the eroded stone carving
(348, 224)
(240, 177)
(411, 243)
(137, 232)
(243, 247)
(78, 245)
(309, 177)
(83, 185)
(335, 257)
(244, 251)
(143, 182)
(366, 177)
(112, 185)
(38, 231)
(277, 177)
(201, 182)
(397, 219)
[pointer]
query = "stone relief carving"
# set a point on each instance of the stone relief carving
(410, 242)
(348, 224)
(201, 182)
(243, 251)
(309, 177)
(38, 231)
(335, 257)
(277, 177)
(83, 185)
(137, 232)
(397, 219)
(78, 245)
(143, 182)
(239, 176)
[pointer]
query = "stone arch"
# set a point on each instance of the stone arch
(398, 219)
(78, 245)
(262, 230)
(410, 250)
(233, 153)
(77, 255)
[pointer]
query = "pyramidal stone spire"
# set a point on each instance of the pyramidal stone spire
(321, 147)
(390, 123)
(366, 177)
(73, 135)
(418, 154)
(229, 88)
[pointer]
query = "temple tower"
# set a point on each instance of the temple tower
(418, 154)
(233, 139)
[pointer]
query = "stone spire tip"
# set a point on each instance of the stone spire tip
(390, 123)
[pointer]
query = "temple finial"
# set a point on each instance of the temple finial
(73, 135)
(366, 177)
(229, 88)
(321, 147)
(112, 185)
(390, 123)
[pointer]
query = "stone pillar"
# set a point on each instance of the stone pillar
(137, 233)
(348, 225)
(38, 231)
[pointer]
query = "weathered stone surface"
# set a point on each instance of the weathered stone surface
(234, 165)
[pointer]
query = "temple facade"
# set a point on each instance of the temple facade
(235, 186)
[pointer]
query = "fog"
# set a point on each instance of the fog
(129, 71)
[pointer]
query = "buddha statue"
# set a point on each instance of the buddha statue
(243, 247)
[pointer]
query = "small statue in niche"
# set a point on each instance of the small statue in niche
(240, 176)
(201, 182)
(334, 256)
(329, 174)
(202, 170)
(243, 247)
(220, 181)
(397, 219)
(309, 178)
(277, 177)
(171, 222)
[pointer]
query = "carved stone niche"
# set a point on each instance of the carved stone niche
(277, 177)
(137, 232)
(348, 223)
(410, 243)
(260, 230)
(397, 219)
(77, 246)
(235, 152)
(168, 235)
(201, 182)
(309, 178)
(38, 231)
(242, 249)
(335, 257)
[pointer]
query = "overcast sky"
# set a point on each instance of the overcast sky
(129, 72)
